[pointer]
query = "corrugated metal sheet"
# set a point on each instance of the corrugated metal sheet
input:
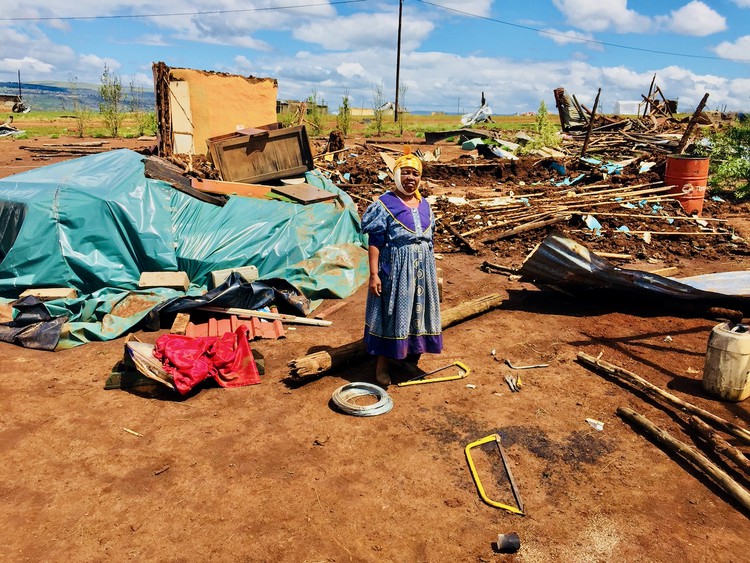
(561, 262)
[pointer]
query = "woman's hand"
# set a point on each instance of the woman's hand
(375, 286)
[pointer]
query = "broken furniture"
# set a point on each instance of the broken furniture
(254, 156)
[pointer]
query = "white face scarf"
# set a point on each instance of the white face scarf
(399, 187)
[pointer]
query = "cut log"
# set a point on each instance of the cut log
(653, 391)
(715, 473)
(720, 444)
(320, 362)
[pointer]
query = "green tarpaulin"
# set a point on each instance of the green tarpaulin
(95, 223)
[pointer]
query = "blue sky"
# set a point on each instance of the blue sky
(514, 51)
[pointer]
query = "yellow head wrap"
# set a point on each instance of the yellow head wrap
(408, 160)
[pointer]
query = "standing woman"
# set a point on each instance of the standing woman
(403, 307)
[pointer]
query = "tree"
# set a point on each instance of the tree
(145, 121)
(546, 131)
(378, 101)
(81, 113)
(343, 119)
(112, 100)
(315, 113)
(401, 113)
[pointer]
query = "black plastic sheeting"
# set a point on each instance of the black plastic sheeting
(235, 292)
(561, 262)
(33, 327)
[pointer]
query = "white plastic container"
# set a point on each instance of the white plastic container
(726, 373)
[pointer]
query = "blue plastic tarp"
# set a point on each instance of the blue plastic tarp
(96, 223)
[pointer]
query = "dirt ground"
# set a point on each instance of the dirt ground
(274, 472)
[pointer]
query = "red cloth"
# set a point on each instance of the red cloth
(228, 359)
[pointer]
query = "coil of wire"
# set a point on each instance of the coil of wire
(344, 398)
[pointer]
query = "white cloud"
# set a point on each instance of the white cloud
(595, 15)
(28, 64)
(740, 49)
(476, 7)
(572, 37)
(742, 3)
(694, 18)
(364, 30)
(350, 70)
(154, 40)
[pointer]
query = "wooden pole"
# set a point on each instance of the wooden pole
(591, 124)
(691, 124)
(715, 473)
(720, 444)
(650, 90)
(653, 391)
(398, 59)
(320, 362)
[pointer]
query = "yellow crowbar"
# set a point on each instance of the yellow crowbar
(421, 377)
(494, 438)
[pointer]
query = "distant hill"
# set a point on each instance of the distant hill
(59, 96)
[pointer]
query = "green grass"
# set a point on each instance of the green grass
(54, 124)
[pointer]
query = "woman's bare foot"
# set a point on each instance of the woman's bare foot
(382, 375)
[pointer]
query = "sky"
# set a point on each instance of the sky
(515, 51)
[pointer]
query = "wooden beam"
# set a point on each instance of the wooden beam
(720, 444)
(715, 473)
(691, 124)
(653, 391)
(332, 309)
(247, 313)
(591, 124)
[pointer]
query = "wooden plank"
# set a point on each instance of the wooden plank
(232, 188)
(304, 193)
(161, 169)
(614, 255)
(174, 280)
(50, 293)
(245, 313)
(332, 309)
(666, 272)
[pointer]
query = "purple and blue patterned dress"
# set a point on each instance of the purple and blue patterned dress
(405, 319)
